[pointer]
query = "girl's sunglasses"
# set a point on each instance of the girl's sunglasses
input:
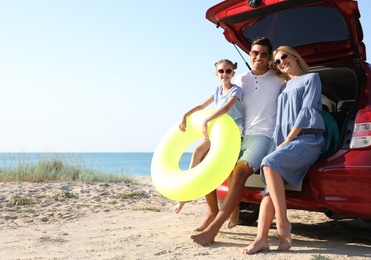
(283, 57)
(227, 71)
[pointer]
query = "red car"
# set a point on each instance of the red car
(328, 35)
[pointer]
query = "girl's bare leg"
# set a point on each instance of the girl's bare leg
(212, 210)
(198, 155)
(233, 219)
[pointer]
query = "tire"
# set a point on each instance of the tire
(333, 215)
(249, 214)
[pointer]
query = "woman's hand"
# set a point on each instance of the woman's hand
(291, 136)
(283, 143)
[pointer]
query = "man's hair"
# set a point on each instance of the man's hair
(264, 41)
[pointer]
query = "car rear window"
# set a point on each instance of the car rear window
(298, 27)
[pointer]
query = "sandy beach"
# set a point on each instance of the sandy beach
(133, 221)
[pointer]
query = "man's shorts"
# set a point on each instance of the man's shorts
(253, 149)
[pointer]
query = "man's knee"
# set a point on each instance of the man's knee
(241, 171)
(244, 168)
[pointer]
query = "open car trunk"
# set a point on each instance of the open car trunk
(329, 37)
(339, 94)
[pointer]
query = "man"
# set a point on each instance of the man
(261, 88)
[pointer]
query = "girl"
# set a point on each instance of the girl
(227, 98)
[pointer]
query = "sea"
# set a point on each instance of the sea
(133, 164)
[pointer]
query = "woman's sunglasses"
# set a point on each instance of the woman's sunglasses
(283, 57)
(227, 71)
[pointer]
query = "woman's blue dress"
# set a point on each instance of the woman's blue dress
(299, 105)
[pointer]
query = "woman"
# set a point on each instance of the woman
(297, 144)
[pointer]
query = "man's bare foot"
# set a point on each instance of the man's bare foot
(284, 235)
(204, 238)
(258, 245)
(180, 205)
(233, 219)
(207, 221)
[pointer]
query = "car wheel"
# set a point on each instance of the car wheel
(248, 213)
(333, 215)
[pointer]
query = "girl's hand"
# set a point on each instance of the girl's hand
(204, 130)
(183, 124)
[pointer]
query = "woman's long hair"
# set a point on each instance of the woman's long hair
(287, 49)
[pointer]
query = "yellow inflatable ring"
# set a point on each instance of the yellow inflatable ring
(180, 185)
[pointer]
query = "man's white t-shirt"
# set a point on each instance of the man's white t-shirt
(260, 93)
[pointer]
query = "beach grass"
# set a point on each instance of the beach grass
(130, 195)
(53, 167)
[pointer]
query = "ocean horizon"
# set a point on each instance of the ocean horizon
(130, 163)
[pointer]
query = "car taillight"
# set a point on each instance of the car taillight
(362, 129)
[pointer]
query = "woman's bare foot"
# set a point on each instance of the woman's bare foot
(180, 205)
(233, 219)
(257, 246)
(206, 222)
(284, 235)
(206, 237)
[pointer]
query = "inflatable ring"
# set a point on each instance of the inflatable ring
(180, 185)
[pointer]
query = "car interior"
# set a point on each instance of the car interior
(339, 93)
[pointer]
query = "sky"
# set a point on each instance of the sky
(107, 76)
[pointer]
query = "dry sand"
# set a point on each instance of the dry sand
(98, 223)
